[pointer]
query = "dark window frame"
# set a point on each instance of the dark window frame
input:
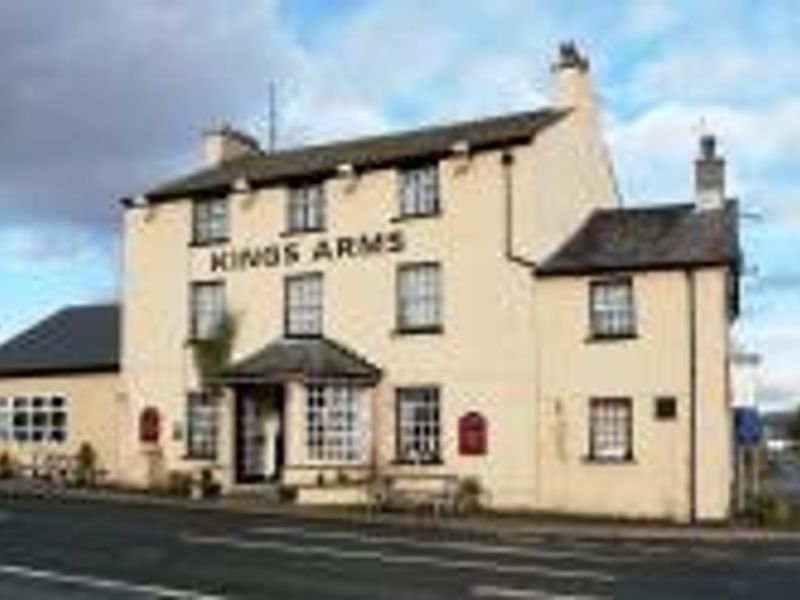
(288, 319)
(202, 443)
(597, 330)
(401, 455)
(420, 208)
(402, 324)
(194, 333)
(595, 404)
(204, 232)
(295, 198)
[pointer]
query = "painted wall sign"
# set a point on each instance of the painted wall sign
(149, 425)
(472, 434)
(322, 250)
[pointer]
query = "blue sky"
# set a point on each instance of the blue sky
(161, 73)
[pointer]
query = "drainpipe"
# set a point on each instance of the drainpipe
(691, 287)
(507, 160)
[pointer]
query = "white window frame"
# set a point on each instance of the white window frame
(207, 308)
(419, 425)
(202, 426)
(419, 297)
(419, 193)
(304, 305)
(210, 220)
(612, 313)
(611, 429)
(335, 430)
(305, 208)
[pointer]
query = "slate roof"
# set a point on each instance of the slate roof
(76, 339)
(649, 238)
(306, 357)
(365, 153)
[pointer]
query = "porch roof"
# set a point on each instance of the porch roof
(312, 358)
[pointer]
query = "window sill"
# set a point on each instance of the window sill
(597, 460)
(209, 243)
(289, 233)
(402, 462)
(416, 217)
(609, 337)
(427, 330)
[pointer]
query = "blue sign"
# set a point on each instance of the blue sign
(747, 423)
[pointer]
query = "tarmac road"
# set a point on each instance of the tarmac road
(90, 550)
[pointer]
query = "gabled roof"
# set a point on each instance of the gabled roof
(649, 238)
(76, 339)
(261, 169)
(310, 358)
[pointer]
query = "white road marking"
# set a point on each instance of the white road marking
(100, 583)
(491, 591)
(336, 553)
(468, 547)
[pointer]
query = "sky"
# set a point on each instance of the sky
(100, 100)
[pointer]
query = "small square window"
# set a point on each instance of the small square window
(210, 221)
(666, 408)
(419, 191)
(305, 210)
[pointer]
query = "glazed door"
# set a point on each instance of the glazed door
(250, 439)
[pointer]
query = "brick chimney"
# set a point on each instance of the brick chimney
(225, 143)
(709, 175)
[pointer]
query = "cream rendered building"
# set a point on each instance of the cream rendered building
(468, 300)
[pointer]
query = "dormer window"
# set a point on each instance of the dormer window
(210, 221)
(419, 191)
(305, 208)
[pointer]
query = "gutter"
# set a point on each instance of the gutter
(691, 290)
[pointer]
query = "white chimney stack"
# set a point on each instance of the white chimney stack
(573, 84)
(709, 175)
(225, 143)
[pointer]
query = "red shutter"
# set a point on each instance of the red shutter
(472, 434)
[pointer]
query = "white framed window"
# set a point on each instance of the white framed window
(334, 428)
(419, 297)
(210, 220)
(418, 425)
(202, 425)
(305, 208)
(611, 429)
(40, 419)
(304, 310)
(419, 191)
(207, 308)
(611, 311)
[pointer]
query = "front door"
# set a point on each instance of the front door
(259, 438)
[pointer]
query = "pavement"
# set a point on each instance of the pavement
(87, 548)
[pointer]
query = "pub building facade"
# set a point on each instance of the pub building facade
(466, 301)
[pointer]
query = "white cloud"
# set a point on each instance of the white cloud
(648, 18)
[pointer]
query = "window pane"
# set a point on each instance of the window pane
(210, 220)
(419, 191)
(306, 208)
(612, 312)
(304, 305)
(610, 428)
(207, 308)
(333, 423)
(419, 302)
(418, 427)
(202, 426)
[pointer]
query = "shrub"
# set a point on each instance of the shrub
(209, 486)
(7, 466)
(179, 483)
(287, 494)
(469, 495)
(86, 465)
